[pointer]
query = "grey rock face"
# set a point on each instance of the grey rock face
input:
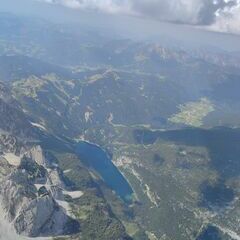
(36, 154)
(32, 211)
(16, 191)
(9, 143)
(5, 168)
(41, 217)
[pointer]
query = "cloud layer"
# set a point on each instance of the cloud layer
(219, 15)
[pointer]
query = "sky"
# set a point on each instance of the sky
(215, 15)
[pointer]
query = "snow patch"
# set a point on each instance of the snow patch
(38, 126)
(73, 194)
(12, 159)
(87, 116)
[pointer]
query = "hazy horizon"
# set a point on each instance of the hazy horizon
(124, 26)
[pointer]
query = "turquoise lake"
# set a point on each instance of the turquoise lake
(97, 159)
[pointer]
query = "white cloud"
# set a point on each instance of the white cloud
(109, 6)
(228, 20)
(217, 15)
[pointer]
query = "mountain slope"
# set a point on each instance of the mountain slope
(37, 198)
